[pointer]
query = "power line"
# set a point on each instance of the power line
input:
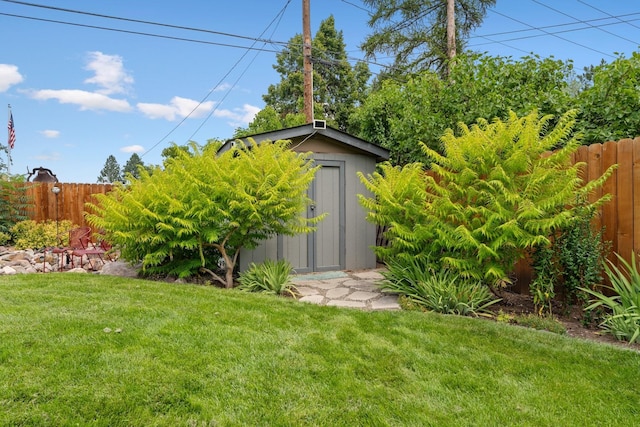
(81, 12)
(138, 33)
(217, 85)
(566, 24)
(606, 13)
(552, 34)
(581, 21)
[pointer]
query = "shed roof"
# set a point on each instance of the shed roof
(307, 131)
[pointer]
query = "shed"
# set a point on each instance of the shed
(344, 239)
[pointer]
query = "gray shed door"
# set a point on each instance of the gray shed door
(323, 250)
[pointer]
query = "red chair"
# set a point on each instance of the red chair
(78, 240)
(100, 248)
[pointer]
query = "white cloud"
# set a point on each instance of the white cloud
(49, 157)
(9, 76)
(110, 74)
(178, 107)
(86, 100)
(132, 149)
(50, 133)
(222, 87)
(238, 116)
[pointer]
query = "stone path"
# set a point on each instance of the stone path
(345, 289)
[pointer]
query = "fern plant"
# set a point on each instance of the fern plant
(495, 192)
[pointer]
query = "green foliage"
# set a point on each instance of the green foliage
(610, 107)
(338, 87)
(273, 277)
(441, 291)
(398, 115)
(132, 166)
(542, 287)
(414, 31)
(206, 206)
(268, 120)
(30, 234)
(14, 202)
(5, 238)
(494, 195)
(623, 317)
(111, 172)
(572, 260)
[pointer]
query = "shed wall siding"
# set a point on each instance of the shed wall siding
(360, 235)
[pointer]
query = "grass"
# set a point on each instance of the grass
(199, 356)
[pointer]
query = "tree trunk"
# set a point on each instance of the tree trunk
(451, 33)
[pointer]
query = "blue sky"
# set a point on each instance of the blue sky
(80, 94)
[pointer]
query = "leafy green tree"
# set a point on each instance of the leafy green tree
(268, 120)
(493, 196)
(610, 106)
(111, 171)
(338, 87)
(204, 207)
(132, 165)
(415, 31)
(399, 115)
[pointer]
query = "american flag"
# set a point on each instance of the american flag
(12, 131)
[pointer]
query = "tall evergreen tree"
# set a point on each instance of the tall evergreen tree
(131, 167)
(415, 31)
(111, 171)
(338, 87)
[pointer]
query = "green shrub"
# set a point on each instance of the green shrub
(30, 234)
(204, 206)
(273, 277)
(623, 317)
(5, 238)
(14, 202)
(495, 194)
(442, 291)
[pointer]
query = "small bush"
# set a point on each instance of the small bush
(442, 292)
(36, 235)
(272, 277)
(623, 318)
(5, 238)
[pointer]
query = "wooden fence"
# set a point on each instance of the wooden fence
(69, 203)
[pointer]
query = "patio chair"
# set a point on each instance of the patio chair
(78, 239)
(101, 247)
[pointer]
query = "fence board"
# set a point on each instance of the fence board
(610, 209)
(594, 171)
(68, 204)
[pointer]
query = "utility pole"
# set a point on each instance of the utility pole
(451, 33)
(306, 55)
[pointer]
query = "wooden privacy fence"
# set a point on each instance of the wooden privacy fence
(68, 204)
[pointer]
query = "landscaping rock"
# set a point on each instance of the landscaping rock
(120, 268)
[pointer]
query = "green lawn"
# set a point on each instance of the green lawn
(201, 356)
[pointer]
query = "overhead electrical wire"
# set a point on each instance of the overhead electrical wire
(606, 13)
(218, 84)
(581, 21)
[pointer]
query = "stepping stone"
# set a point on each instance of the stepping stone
(336, 293)
(306, 291)
(386, 303)
(363, 296)
(371, 275)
